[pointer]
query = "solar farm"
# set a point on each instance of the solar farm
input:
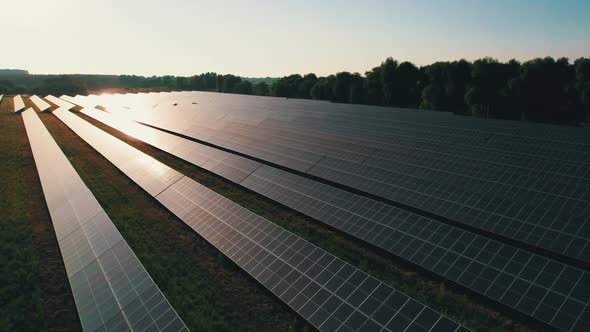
(201, 211)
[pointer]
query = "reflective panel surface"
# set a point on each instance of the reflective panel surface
(41, 104)
(515, 277)
(112, 290)
(527, 182)
(19, 104)
(331, 294)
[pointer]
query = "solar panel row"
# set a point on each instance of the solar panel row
(230, 166)
(501, 182)
(60, 102)
(41, 104)
(112, 290)
(443, 194)
(314, 134)
(19, 104)
(532, 284)
(353, 114)
(346, 117)
(331, 294)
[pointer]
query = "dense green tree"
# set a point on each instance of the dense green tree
(182, 83)
(228, 83)
(399, 84)
(244, 87)
(433, 94)
(545, 90)
(261, 89)
(8, 87)
(202, 82)
(305, 85)
(348, 88)
(540, 89)
(168, 81)
(387, 75)
(488, 94)
(582, 72)
(356, 89)
(209, 81)
(322, 90)
(407, 93)
(62, 85)
(373, 86)
(287, 86)
(447, 85)
(341, 87)
(458, 76)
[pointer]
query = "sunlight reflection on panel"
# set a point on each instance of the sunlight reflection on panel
(111, 289)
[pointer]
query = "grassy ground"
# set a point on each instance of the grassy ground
(34, 292)
(209, 292)
(474, 312)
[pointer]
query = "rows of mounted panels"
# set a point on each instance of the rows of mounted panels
(41, 104)
(541, 287)
(111, 289)
(556, 302)
(59, 102)
(18, 103)
(283, 109)
(329, 293)
(524, 182)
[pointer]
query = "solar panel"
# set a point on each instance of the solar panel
(511, 276)
(326, 291)
(514, 180)
(111, 288)
(19, 104)
(60, 102)
(41, 104)
(331, 152)
(514, 277)
(232, 167)
(329, 293)
(69, 99)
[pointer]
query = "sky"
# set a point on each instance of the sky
(259, 38)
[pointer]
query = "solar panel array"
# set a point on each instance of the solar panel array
(232, 167)
(529, 183)
(329, 293)
(112, 290)
(41, 104)
(19, 104)
(61, 103)
(530, 283)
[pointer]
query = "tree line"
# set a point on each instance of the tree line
(546, 89)
(542, 89)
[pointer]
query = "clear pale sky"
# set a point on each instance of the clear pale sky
(274, 38)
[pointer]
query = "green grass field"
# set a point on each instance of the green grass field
(209, 292)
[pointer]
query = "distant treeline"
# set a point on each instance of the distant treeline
(546, 90)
